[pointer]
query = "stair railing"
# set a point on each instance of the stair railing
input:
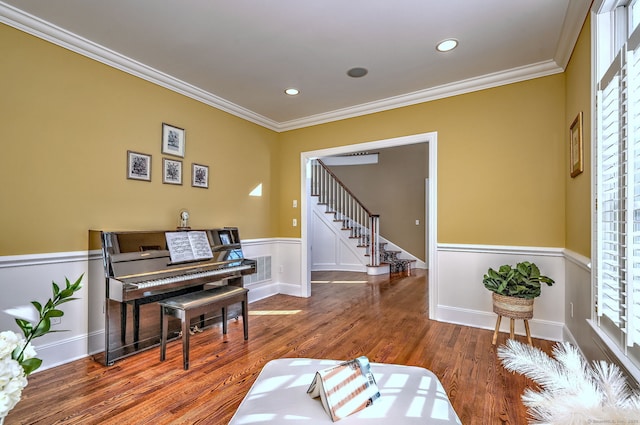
(346, 207)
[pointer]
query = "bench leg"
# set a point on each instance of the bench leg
(164, 320)
(245, 319)
(224, 320)
(186, 321)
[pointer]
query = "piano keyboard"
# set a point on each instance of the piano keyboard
(189, 276)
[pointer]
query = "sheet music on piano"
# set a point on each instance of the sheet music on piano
(188, 246)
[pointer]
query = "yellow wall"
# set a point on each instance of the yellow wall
(501, 161)
(578, 98)
(67, 123)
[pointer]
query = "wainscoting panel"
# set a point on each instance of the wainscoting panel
(463, 299)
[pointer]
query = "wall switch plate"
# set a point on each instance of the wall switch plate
(417, 222)
(295, 222)
(295, 203)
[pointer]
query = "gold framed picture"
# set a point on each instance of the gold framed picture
(575, 146)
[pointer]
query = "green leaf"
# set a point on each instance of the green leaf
(504, 269)
(523, 268)
(30, 365)
(54, 313)
(16, 354)
(66, 300)
(37, 305)
(25, 326)
(42, 328)
(66, 293)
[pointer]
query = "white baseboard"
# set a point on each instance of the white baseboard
(289, 289)
(339, 267)
(260, 291)
(64, 351)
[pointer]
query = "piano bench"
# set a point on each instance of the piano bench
(187, 306)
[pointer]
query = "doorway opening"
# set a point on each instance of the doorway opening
(431, 211)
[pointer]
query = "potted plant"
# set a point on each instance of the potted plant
(515, 288)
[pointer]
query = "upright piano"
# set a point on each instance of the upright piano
(144, 267)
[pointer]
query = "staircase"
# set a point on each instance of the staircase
(355, 220)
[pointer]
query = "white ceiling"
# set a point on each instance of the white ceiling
(240, 55)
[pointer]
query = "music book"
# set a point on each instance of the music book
(188, 246)
(345, 388)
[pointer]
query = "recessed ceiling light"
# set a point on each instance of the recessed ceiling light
(291, 91)
(357, 72)
(447, 45)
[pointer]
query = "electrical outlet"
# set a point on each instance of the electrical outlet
(56, 321)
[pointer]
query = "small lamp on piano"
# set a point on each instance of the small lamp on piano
(184, 220)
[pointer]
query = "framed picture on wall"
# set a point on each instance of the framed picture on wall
(173, 140)
(171, 171)
(200, 176)
(575, 143)
(138, 166)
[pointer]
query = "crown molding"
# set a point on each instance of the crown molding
(37, 27)
(574, 19)
(42, 29)
(496, 79)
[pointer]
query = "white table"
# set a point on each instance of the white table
(408, 395)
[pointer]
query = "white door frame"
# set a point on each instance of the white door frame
(431, 214)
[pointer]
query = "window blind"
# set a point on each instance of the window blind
(609, 214)
(633, 191)
(618, 191)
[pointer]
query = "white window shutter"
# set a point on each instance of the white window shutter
(610, 198)
(633, 189)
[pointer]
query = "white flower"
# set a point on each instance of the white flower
(9, 340)
(12, 377)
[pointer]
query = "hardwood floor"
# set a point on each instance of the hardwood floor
(348, 315)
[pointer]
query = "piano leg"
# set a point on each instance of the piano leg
(245, 318)
(136, 323)
(123, 323)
